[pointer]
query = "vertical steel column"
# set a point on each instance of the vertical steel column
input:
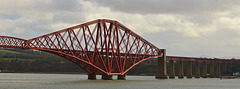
(172, 69)
(189, 69)
(197, 70)
(162, 66)
(180, 71)
(204, 70)
(212, 74)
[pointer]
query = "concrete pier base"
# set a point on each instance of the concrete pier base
(121, 77)
(172, 70)
(189, 69)
(180, 72)
(107, 77)
(162, 66)
(197, 70)
(204, 70)
(91, 77)
(211, 72)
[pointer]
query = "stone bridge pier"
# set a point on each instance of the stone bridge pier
(162, 66)
(202, 67)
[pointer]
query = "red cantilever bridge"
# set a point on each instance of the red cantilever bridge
(100, 47)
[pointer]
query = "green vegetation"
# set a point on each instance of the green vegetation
(27, 60)
(4, 52)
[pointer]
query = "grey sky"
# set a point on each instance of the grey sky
(201, 28)
(169, 6)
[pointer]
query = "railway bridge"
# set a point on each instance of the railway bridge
(106, 47)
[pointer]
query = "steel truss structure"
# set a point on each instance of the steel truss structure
(99, 47)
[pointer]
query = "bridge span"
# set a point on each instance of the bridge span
(106, 47)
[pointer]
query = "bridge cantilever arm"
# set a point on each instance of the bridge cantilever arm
(7, 41)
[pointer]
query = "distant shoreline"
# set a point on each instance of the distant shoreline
(223, 77)
(46, 72)
(67, 73)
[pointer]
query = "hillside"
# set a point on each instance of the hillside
(3, 52)
(27, 60)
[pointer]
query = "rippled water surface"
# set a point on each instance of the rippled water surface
(76, 81)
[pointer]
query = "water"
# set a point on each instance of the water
(76, 81)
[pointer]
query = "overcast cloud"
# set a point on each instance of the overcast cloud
(201, 28)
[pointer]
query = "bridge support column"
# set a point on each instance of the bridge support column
(230, 67)
(211, 74)
(162, 66)
(180, 72)
(197, 70)
(218, 74)
(121, 77)
(107, 77)
(91, 77)
(172, 69)
(224, 67)
(189, 69)
(204, 70)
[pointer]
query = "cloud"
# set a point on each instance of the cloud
(169, 6)
(28, 18)
(186, 27)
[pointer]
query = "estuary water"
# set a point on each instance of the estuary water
(77, 81)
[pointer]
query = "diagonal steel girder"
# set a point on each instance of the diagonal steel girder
(100, 47)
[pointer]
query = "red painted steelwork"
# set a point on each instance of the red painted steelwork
(99, 47)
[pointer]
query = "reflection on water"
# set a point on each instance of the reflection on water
(75, 81)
